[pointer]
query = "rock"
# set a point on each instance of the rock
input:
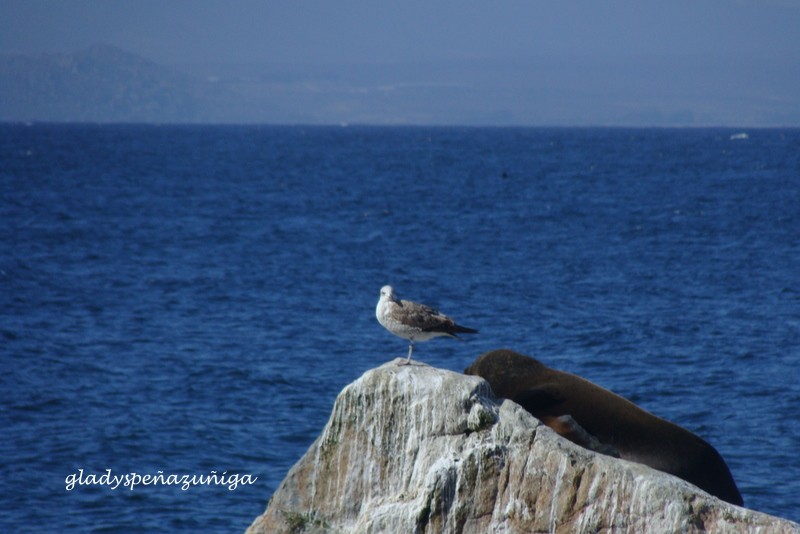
(418, 449)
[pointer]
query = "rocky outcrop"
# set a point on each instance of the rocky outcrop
(424, 450)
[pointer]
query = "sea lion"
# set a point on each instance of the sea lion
(563, 401)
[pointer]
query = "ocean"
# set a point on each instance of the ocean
(187, 301)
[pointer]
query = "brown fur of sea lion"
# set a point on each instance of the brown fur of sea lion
(636, 435)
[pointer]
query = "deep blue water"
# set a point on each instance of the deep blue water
(189, 299)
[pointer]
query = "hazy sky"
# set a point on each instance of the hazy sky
(742, 35)
(381, 31)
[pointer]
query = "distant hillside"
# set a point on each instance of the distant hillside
(106, 84)
(100, 84)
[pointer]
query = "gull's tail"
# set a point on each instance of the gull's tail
(458, 329)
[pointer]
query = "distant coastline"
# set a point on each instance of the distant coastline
(106, 84)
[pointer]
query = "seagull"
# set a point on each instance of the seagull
(413, 321)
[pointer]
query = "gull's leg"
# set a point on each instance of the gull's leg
(410, 350)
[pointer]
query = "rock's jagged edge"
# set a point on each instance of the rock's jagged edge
(424, 450)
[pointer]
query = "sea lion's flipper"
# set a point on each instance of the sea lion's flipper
(565, 426)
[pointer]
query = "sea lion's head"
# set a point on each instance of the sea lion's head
(505, 370)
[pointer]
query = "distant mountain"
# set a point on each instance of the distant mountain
(99, 84)
(107, 84)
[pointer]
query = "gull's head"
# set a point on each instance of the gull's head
(387, 293)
